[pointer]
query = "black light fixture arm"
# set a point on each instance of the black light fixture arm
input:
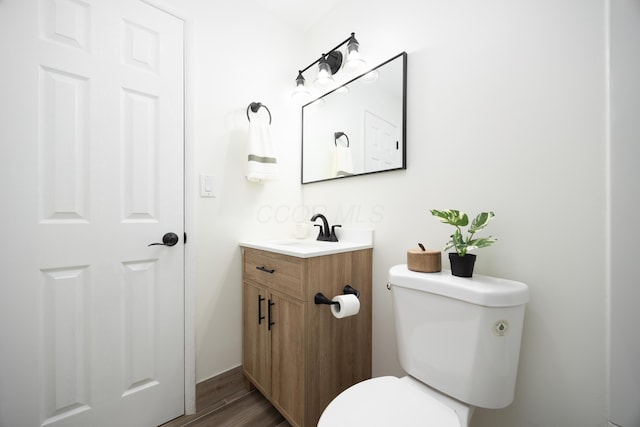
(325, 55)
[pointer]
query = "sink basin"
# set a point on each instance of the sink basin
(349, 241)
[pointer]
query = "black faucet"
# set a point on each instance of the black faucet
(325, 235)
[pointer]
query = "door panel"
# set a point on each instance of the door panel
(91, 318)
(256, 358)
(287, 353)
(381, 144)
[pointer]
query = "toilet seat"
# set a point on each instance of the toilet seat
(388, 401)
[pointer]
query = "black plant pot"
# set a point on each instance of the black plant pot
(462, 266)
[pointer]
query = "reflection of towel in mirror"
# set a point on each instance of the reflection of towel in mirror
(342, 162)
(262, 164)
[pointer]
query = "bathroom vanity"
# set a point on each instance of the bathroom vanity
(295, 351)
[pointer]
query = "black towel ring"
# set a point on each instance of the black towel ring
(255, 106)
(338, 135)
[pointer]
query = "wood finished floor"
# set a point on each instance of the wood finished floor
(224, 401)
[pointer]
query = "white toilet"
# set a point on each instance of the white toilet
(459, 341)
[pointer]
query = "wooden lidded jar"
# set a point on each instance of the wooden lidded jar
(424, 261)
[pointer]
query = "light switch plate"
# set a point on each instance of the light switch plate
(207, 186)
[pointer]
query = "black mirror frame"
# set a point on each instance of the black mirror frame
(403, 55)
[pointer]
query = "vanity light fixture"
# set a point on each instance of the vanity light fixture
(301, 92)
(325, 75)
(354, 60)
(328, 65)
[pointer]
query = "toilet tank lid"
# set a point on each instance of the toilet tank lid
(479, 290)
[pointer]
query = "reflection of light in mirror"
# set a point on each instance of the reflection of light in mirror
(371, 76)
(317, 103)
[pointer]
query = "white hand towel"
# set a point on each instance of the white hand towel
(262, 164)
(342, 161)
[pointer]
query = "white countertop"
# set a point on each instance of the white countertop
(349, 240)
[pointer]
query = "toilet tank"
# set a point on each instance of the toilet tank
(458, 335)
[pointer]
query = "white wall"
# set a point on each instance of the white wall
(506, 112)
(239, 54)
(625, 204)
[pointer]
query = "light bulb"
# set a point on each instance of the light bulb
(301, 93)
(324, 76)
(354, 60)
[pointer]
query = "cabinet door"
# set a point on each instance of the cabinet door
(256, 353)
(287, 356)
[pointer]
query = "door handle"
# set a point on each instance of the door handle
(260, 316)
(269, 322)
(169, 239)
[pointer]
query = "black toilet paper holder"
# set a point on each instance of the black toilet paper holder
(347, 290)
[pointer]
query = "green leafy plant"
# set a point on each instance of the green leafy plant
(460, 219)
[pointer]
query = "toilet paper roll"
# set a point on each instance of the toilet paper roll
(348, 305)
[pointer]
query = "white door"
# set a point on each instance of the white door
(382, 148)
(91, 138)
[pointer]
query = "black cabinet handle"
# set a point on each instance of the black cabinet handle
(265, 269)
(269, 322)
(260, 316)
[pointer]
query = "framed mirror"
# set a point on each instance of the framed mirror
(358, 128)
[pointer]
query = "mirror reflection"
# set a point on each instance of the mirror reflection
(358, 128)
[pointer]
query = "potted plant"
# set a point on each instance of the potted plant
(461, 261)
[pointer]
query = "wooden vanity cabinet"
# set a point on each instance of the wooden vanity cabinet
(296, 352)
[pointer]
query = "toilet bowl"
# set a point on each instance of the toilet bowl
(458, 339)
(391, 401)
